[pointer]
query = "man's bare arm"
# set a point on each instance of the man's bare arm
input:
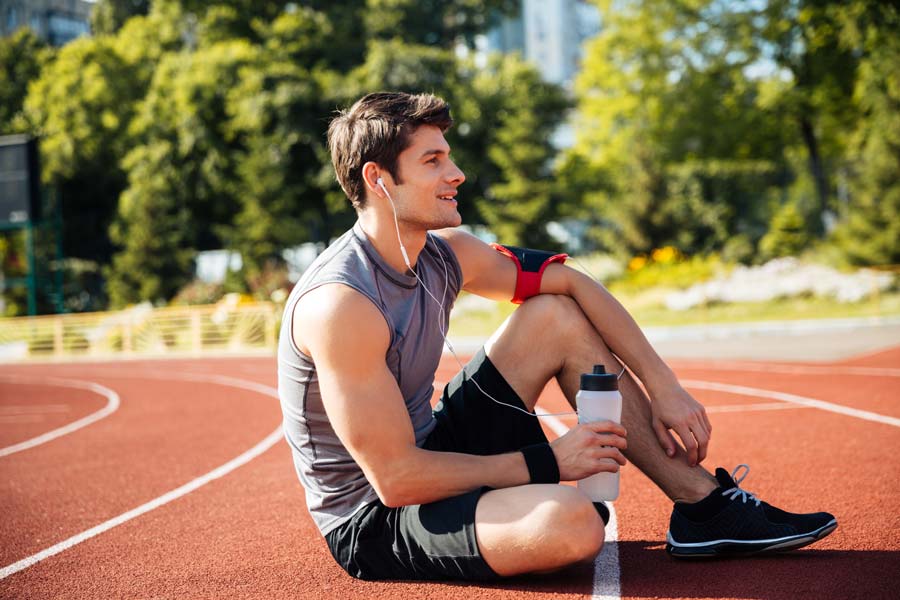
(347, 337)
(488, 273)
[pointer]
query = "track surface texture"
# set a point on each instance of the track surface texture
(70, 528)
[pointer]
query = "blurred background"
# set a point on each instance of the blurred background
(710, 161)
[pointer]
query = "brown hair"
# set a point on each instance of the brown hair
(377, 129)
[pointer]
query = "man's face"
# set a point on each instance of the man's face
(427, 197)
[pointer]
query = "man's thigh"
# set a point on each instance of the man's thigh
(537, 528)
(532, 344)
(480, 413)
(421, 542)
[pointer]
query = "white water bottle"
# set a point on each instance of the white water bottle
(599, 400)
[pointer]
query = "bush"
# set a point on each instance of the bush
(667, 267)
(788, 234)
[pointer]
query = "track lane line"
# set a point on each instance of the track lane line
(607, 583)
(792, 398)
(835, 369)
(242, 459)
(112, 405)
(751, 407)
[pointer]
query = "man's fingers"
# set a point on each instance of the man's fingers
(702, 442)
(665, 439)
(606, 427)
(708, 424)
(610, 456)
(689, 443)
(608, 439)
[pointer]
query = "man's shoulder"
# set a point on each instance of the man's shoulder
(334, 303)
(335, 313)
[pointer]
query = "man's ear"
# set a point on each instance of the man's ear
(371, 172)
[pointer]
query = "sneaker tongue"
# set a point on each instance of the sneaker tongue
(724, 478)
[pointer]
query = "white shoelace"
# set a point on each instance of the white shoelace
(737, 491)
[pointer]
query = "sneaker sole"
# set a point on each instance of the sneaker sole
(724, 548)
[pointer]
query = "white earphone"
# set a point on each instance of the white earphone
(440, 304)
(380, 182)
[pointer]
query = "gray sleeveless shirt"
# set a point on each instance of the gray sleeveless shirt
(335, 485)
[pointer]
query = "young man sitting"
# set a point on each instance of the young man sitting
(470, 490)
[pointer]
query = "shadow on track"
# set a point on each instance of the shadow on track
(648, 572)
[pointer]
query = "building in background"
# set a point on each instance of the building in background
(549, 33)
(55, 21)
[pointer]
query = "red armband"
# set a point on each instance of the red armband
(530, 265)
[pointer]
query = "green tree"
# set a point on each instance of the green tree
(185, 153)
(437, 23)
(870, 232)
(22, 55)
(275, 111)
(521, 113)
(80, 107)
(788, 234)
(701, 85)
(669, 120)
(108, 16)
(152, 229)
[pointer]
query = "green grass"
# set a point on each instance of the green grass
(648, 310)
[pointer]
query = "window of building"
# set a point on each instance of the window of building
(12, 19)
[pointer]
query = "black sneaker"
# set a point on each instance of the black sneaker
(733, 522)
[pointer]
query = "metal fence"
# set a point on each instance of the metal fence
(221, 329)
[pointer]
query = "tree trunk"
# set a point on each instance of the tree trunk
(816, 168)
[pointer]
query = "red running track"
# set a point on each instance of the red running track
(246, 534)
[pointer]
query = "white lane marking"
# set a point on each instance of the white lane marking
(606, 584)
(269, 441)
(793, 369)
(112, 404)
(607, 575)
(750, 407)
(792, 398)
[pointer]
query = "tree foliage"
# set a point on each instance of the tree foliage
(704, 117)
(22, 55)
(186, 125)
(222, 129)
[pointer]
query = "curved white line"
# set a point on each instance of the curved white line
(607, 580)
(792, 398)
(269, 441)
(112, 404)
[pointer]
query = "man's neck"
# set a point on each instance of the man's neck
(382, 233)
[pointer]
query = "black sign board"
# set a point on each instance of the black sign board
(20, 185)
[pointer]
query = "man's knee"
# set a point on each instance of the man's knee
(578, 529)
(552, 312)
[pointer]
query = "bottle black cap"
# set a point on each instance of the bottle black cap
(599, 380)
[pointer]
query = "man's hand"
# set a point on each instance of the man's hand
(674, 408)
(589, 448)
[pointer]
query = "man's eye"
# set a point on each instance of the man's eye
(432, 160)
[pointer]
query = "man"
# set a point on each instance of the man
(471, 490)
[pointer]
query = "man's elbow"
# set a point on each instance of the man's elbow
(396, 485)
(393, 494)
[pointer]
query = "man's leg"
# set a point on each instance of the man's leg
(549, 336)
(534, 528)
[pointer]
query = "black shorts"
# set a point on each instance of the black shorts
(437, 540)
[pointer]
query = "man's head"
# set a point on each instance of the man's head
(377, 129)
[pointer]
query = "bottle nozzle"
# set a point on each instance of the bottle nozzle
(599, 370)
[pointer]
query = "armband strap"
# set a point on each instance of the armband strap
(530, 265)
(541, 462)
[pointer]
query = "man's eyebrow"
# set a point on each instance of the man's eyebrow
(433, 151)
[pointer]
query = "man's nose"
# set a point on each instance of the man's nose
(456, 176)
